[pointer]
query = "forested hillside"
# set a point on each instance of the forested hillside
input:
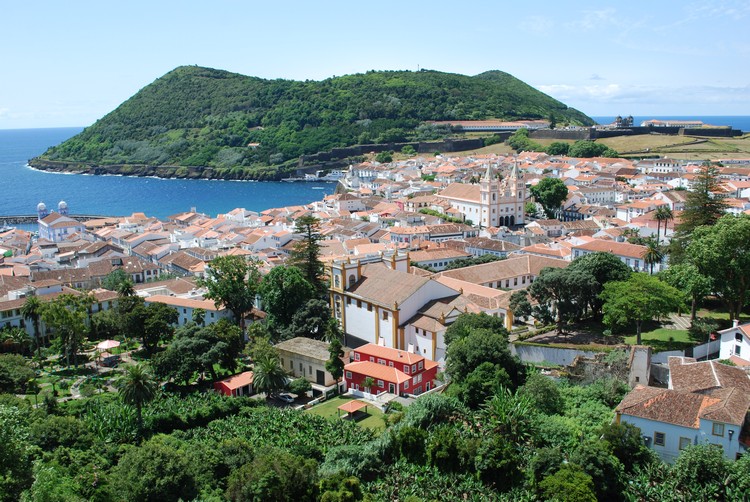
(205, 118)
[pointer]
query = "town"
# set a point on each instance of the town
(473, 277)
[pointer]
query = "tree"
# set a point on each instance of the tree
(550, 193)
(199, 317)
(721, 253)
(702, 206)
(306, 253)
(368, 383)
(558, 148)
(699, 466)
(268, 376)
(568, 484)
(466, 323)
(66, 315)
(300, 386)
(605, 470)
(284, 290)
(588, 148)
(626, 443)
(520, 304)
(384, 157)
(544, 393)
(481, 345)
(125, 288)
(194, 349)
(137, 387)
(157, 320)
(641, 298)
(687, 278)
(563, 291)
(112, 280)
(485, 381)
(233, 282)
(335, 363)
(653, 254)
(530, 209)
(31, 310)
(663, 214)
(604, 267)
(15, 374)
(157, 470)
(274, 474)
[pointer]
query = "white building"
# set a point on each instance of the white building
(491, 203)
(735, 344)
(706, 403)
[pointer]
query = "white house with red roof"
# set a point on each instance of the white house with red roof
(735, 344)
(392, 370)
(707, 402)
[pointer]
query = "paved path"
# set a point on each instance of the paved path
(680, 322)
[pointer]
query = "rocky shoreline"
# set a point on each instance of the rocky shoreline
(143, 170)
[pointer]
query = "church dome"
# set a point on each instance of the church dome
(62, 205)
(41, 207)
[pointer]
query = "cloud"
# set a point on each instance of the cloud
(537, 24)
(590, 20)
(595, 76)
(717, 99)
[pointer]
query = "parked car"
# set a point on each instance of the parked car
(286, 397)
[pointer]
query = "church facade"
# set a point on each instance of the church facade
(494, 202)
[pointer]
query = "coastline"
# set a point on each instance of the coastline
(142, 171)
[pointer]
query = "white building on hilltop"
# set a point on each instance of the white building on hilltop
(493, 202)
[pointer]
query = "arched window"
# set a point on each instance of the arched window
(352, 280)
(337, 281)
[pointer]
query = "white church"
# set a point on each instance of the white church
(493, 202)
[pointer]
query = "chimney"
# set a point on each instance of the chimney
(735, 323)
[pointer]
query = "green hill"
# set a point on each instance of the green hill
(200, 120)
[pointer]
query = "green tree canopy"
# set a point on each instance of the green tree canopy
(284, 290)
(137, 387)
(565, 291)
(232, 282)
(66, 315)
(641, 298)
(721, 253)
(604, 267)
(306, 253)
(15, 374)
(588, 148)
(686, 277)
(558, 148)
(550, 193)
(481, 345)
(274, 474)
(703, 205)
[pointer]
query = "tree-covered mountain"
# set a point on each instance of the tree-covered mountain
(235, 126)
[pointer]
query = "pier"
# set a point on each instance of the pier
(22, 219)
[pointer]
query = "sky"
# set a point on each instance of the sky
(69, 63)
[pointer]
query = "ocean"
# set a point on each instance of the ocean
(22, 188)
(741, 122)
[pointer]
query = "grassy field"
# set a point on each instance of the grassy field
(329, 409)
(661, 339)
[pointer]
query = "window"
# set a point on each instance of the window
(282, 362)
(385, 315)
(406, 384)
(738, 337)
(737, 349)
(684, 443)
(390, 363)
(372, 359)
(718, 429)
(421, 365)
(369, 307)
(356, 356)
(348, 374)
(348, 301)
(310, 370)
(381, 361)
(359, 304)
(380, 384)
(659, 438)
(413, 368)
(406, 369)
(515, 281)
(291, 365)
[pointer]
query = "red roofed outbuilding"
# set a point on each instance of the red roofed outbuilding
(392, 370)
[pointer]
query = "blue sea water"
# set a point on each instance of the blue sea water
(22, 188)
(741, 122)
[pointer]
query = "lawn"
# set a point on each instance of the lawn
(662, 339)
(328, 409)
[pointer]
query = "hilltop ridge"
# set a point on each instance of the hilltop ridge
(204, 122)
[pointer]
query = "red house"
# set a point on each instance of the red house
(237, 385)
(392, 370)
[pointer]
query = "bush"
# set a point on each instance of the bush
(384, 157)
(300, 386)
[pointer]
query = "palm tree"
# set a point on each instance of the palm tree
(653, 254)
(31, 310)
(663, 214)
(137, 387)
(125, 288)
(269, 376)
(368, 383)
